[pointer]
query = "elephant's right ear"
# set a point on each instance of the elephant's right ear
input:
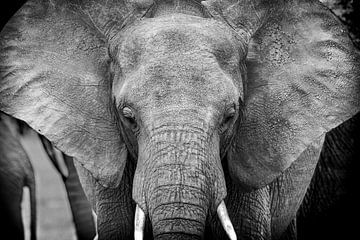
(55, 76)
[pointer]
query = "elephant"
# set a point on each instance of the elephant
(79, 205)
(80, 208)
(188, 119)
(16, 172)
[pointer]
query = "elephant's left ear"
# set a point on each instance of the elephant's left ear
(55, 76)
(303, 79)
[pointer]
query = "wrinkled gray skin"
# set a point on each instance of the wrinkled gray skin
(261, 214)
(176, 109)
(16, 172)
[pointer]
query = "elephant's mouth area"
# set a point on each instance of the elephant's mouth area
(182, 212)
(184, 220)
(251, 221)
(178, 203)
(178, 185)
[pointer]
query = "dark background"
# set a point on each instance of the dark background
(8, 9)
(349, 13)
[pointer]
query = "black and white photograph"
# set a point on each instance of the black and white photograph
(179, 119)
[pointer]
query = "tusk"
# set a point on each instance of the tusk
(139, 223)
(95, 223)
(225, 221)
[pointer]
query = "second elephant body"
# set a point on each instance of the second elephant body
(16, 172)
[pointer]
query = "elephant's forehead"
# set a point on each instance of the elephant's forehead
(178, 60)
(184, 30)
(183, 82)
(182, 37)
(177, 36)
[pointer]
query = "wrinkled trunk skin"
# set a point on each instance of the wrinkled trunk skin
(182, 181)
(178, 210)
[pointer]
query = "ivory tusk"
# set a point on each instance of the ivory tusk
(225, 221)
(95, 223)
(139, 223)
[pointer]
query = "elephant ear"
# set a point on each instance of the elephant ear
(302, 80)
(55, 76)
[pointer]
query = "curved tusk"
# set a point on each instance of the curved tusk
(139, 223)
(225, 221)
(95, 223)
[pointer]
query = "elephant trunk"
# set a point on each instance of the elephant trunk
(178, 206)
(178, 181)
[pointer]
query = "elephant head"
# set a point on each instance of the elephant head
(183, 87)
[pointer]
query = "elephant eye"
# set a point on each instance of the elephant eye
(127, 112)
(129, 116)
(228, 119)
(230, 114)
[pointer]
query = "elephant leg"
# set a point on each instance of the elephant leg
(249, 211)
(55, 156)
(80, 206)
(30, 183)
(113, 206)
(16, 172)
(291, 231)
(11, 224)
(288, 190)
